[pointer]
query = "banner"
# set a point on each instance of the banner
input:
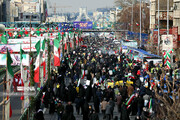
(15, 59)
(16, 47)
(25, 40)
(83, 25)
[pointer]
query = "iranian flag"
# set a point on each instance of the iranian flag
(10, 75)
(37, 63)
(75, 61)
(137, 24)
(150, 105)
(9, 62)
(82, 73)
(44, 58)
(56, 52)
(21, 81)
(130, 99)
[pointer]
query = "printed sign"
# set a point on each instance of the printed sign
(15, 59)
(16, 47)
(167, 42)
(83, 25)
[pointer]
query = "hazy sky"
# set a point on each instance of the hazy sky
(76, 4)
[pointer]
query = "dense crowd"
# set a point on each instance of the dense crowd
(89, 71)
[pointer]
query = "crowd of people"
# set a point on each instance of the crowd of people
(82, 82)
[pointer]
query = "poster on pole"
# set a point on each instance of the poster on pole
(15, 59)
(167, 42)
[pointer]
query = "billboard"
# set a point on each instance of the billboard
(16, 47)
(167, 42)
(25, 40)
(15, 59)
(83, 25)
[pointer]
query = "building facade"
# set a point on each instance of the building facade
(174, 24)
(21, 10)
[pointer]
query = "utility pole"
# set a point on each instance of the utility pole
(167, 17)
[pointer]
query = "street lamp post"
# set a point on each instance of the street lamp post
(158, 29)
(167, 17)
(140, 25)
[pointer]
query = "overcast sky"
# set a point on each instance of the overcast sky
(76, 4)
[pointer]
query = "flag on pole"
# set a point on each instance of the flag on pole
(21, 80)
(9, 78)
(150, 105)
(137, 24)
(56, 52)
(75, 61)
(82, 74)
(130, 99)
(9, 62)
(44, 58)
(3, 39)
(36, 70)
(10, 111)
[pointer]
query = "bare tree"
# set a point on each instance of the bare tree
(166, 107)
(126, 14)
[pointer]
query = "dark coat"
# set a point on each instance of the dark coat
(39, 115)
(68, 116)
(94, 116)
(69, 109)
(96, 104)
(85, 111)
(124, 113)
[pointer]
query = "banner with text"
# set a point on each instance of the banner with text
(15, 59)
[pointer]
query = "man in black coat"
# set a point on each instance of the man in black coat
(124, 113)
(69, 108)
(96, 103)
(39, 115)
(94, 116)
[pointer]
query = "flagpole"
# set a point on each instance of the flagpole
(21, 73)
(39, 64)
(167, 17)
(3, 115)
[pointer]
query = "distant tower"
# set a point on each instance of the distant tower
(83, 15)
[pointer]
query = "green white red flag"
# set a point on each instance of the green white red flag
(37, 63)
(82, 74)
(56, 52)
(44, 58)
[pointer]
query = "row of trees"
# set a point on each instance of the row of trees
(126, 15)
